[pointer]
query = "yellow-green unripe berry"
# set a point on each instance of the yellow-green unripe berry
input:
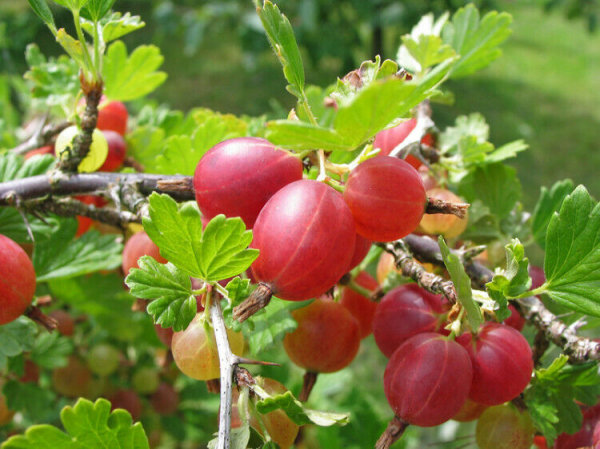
(96, 155)
(504, 427)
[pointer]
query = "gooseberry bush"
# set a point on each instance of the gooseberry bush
(174, 280)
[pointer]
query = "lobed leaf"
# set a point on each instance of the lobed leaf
(548, 203)
(281, 37)
(87, 426)
(476, 40)
(572, 260)
(41, 9)
(50, 350)
(16, 337)
(170, 290)
(130, 77)
(62, 256)
(114, 26)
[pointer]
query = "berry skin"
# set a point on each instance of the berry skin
(585, 436)
(515, 320)
(145, 380)
(96, 154)
(302, 255)
(361, 307)
(127, 400)
(502, 364)
(388, 139)
(470, 411)
(17, 280)
(103, 359)
(361, 249)
(238, 176)
(116, 151)
(403, 312)
(137, 246)
(448, 225)
(48, 149)
(165, 399)
(195, 349)
(112, 116)
(387, 198)
(504, 427)
(73, 380)
(427, 379)
(538, 278)
(326, 339)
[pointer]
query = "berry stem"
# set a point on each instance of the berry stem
(310, 379)
(394, 431)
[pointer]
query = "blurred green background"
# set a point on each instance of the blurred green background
(545, 89)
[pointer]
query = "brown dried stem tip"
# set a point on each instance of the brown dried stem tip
(438, 206)
(256, 301)
(394, 431)
(36, 314)
(310, 379)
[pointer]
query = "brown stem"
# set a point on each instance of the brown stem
(36, 314)
(256, 301)
(394, 431)
(310, 379)
(439, 206)
(213, 386)
(82, 141)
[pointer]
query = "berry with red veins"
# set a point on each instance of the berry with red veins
(360, 306)
(238, 176)
(584, 437)
(403, 312)
(388, 139)
(427, 379)
(302, 255)
(17, 280)
(137, 246)
(326, 339)
(502, 364)
(195, 349)
(387, 198)
(116, 151)
(470, 411)
(112, 116)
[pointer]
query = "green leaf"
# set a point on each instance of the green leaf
(553, 392)
(281, 37)
(62, 256)
(170, 290)
(428, 50)
(476, 41)
(240, 436)
(40, 7)
(16, 337)
(372, 109)
(73, 47)
(462, 284)
(511, 282)
(495, 185)
(103, 298)
(32, 400)
(572, 262)
(88, 426)
(127, 78)
(50, 350)
(97, 9)
(549, 203)
(465, 125)
(272, 323)
(296, 410)
(53, 82)
(506, 151)
(296, 135)
(144, 144)
(16, 167)
(115, 26)
(220, 252)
